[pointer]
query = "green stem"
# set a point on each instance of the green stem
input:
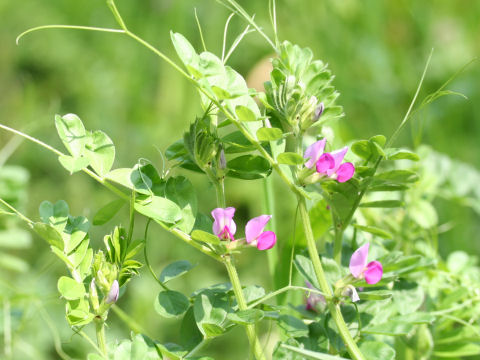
(335, 311)
(197, 348)
(255, 346)
(147, 262)
(269, 205)
(101, 340)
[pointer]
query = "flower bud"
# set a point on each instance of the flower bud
(112, 296)
(318, 111)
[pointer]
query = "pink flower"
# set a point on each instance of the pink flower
(254, 232)
(372, 272)
(224, 226)
(329, 164)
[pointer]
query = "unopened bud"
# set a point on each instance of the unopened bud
(112, 296)
(318, 111)
(351, 292)
(222, 162)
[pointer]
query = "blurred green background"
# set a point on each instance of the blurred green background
(377, 50)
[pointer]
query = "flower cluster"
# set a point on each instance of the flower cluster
(224, 227)
(329, 164)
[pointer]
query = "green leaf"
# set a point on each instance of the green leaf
(75, 231)
(245, 114)
(249, 167)
(210, 310)
(203, 236)
(181, 191)
(246, 317)
(186, 53)
(269, 134)
(375, 231)
(55, 215)
(253, 292)
(398, 176)
(72, 133)
(100, 152)
(457, 350)
(190, 335)
(73, 164)
(383, 204)
(290, 158)
(415, 318)
(362, 148)
(379, 139)
(107, 212)
(375, 295)
(160, 209)
(391, 328)
(15, 239)
(309, 354)
(374, 350)
(50, 234)
(70, 289)
(401, 154)
(294, 327)
(408, 297)
(175, 269)
(305, 268)
(171, 304)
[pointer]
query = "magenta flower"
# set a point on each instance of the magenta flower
(254, 233)
(314, 152)
(329, 164)
(224, 226)
(372, 272)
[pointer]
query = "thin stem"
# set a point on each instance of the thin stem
(324, 286)
(116, 14)
(74, 27)
(127, 319)
(56, 337)
(147, 262)
(255, 346)
(101, 340)
(132, 218)
(269, 205)
(90, 341)
(23, 217)
(407, 115)
(200, 30)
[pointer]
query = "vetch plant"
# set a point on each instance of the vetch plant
(250, 135)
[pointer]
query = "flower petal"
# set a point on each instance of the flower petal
(266, 240)
(355, 296)
(313, 152)
(358, 261)
(345, 172)
(324, 163)
(255, 227)
(223, 217)
(374, 272)
(338, 156)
